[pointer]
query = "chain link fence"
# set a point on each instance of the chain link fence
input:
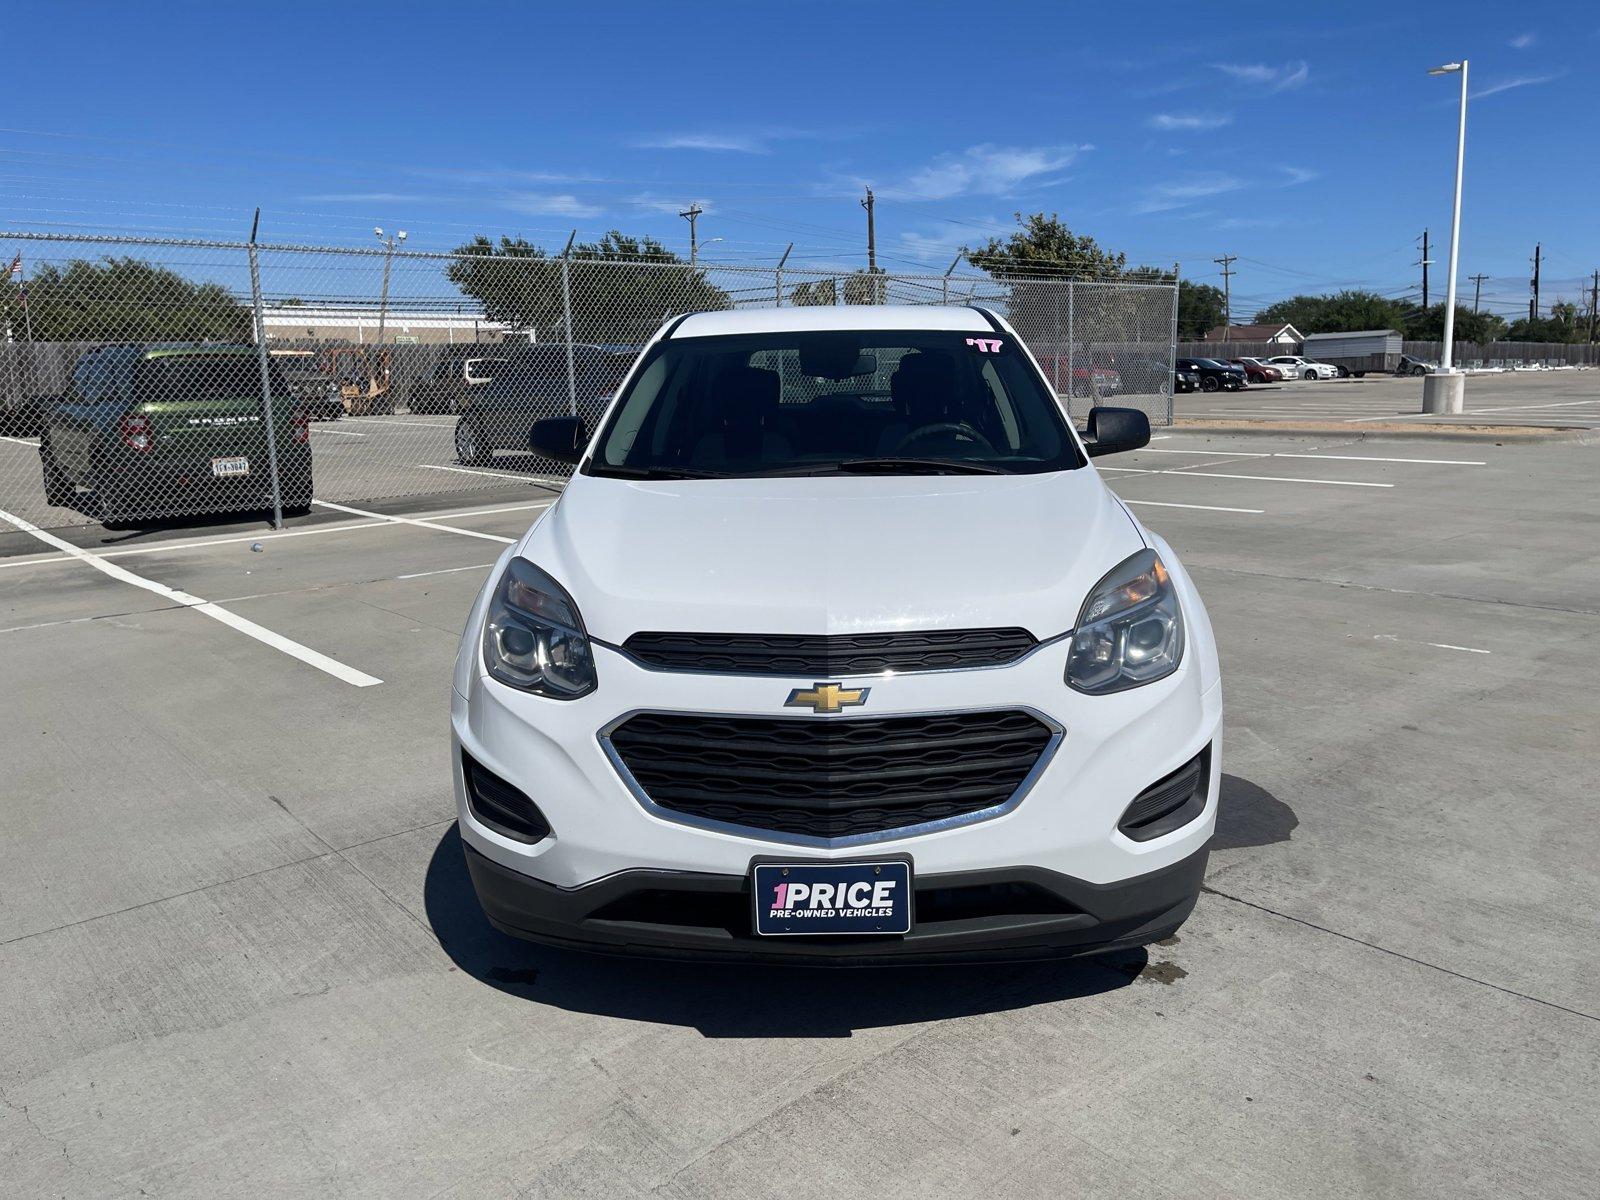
(154, 379)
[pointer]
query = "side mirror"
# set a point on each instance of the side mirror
(1113, 430)
(565, 438)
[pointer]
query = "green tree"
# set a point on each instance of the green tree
(1340, 312)
(123, 300)
(1201, 307)
(1476, 327)
(1044, 245)
(622, 287)
(859, 287)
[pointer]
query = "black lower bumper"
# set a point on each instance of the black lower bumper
(1003, 914)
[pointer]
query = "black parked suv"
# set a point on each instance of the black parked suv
(533, 384)
(461, 372)
(1214, 376)
(157, 431)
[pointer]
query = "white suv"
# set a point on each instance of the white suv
(836, 648)
(1294, 366)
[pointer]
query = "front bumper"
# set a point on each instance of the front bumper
(1001, 914)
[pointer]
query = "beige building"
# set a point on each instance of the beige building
(330, 323)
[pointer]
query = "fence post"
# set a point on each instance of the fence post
(566, 304)
(944, 284)
(838, 293)
(1072, 346)
(266, 374)
(1055, 357)
(777, 279)
(1172, 347)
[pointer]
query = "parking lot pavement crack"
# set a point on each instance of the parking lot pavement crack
(1399, 591)
(1421, 962)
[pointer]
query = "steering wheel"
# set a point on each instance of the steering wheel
(958, 431)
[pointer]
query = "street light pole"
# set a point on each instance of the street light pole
(1443, 391)
(388, 260)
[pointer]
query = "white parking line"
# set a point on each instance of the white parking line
(45, 560)
(420, 524)
(1201, 507)
(392, 421)
(247, 627)
(1442, 462)
(514, 476)
(340, 432)
(446, 571)
(1187, 473)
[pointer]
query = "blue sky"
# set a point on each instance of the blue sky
(1308, 140)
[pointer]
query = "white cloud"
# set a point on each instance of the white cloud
(376, 198)
(1294, 175)
(1523, 40)
(1190, 121)
(545, 204)
(1168, 196)
(938, 246)
(734, 143)
(1277, 79)
(986, 170)
(1518, 82)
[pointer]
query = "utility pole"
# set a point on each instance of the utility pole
(1425, 262)
(1226, 263)
(1594, 307)
(1477, 289)
(872, 234)
(692, 214)
(1533, 302)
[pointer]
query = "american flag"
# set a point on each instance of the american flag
(16, 267)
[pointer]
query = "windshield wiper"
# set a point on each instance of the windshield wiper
(623, 472)
(913, 466)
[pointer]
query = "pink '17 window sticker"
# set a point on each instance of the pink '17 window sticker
(985, 345)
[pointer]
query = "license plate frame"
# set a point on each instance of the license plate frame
(230, 466)
(833, 919)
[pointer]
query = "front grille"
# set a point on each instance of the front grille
(830, 777)
(829, 654)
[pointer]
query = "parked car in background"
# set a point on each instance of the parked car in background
(1296, 367)
(532, 384)
(311, 386)
(1185, 380)
(1214, 376)
(459, 371)
(157, 431)
(1410, 364)
(1258, 370)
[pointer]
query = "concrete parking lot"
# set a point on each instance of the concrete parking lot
(239, 955)
(1548, 400)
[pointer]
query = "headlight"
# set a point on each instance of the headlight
(1130, 631)
(534, 639)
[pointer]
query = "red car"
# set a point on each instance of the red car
(1256, 371)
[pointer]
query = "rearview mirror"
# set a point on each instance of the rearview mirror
(565, 438)
(1113, 430)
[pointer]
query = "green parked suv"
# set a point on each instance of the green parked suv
(157, 431)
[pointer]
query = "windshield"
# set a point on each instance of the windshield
(796, 403)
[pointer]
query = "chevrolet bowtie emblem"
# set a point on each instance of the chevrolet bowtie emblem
(826, 697)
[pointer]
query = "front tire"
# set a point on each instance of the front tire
(58, 489)
(1308, 373)
(1208, 384)
(470, 450)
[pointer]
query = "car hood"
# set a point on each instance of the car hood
(832, 554)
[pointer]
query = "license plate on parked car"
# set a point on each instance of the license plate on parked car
(848, 897)
(227, 468)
